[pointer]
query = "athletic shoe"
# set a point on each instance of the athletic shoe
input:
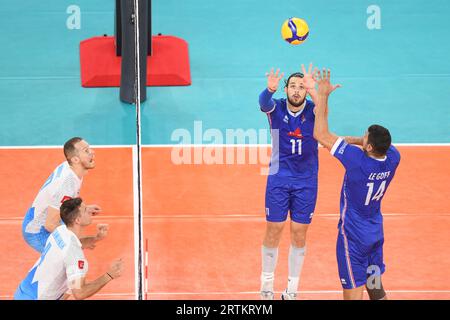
(288, 296)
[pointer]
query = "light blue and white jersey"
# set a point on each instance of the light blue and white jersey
(61, 185)
(61, 265)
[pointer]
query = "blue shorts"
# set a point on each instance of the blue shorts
(290, 194)
(357, 263)
(35, 240)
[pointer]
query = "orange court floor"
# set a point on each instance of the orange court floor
(205, 222)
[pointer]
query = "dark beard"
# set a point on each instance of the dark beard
(292, 103)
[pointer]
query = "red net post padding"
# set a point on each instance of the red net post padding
(167, 66)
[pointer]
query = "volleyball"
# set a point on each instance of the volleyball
(295, 30)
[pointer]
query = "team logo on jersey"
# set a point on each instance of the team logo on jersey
(286, 119)
(342, 148)
(297, 133)
(65, 198)
(80, 264)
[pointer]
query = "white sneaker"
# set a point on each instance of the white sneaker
(288, 295)
(266, 295)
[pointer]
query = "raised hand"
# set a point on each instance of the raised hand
(273, 79)
(323, 80)
(308, 79)
(94, 209)
(116, 268)
(102, 231)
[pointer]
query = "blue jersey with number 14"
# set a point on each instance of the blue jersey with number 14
(365, 183)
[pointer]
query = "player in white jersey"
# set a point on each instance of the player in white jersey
(62, 265)
(64, 183)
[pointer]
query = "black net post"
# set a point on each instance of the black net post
(128, 49)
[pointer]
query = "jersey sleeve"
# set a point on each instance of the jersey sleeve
(75, 263)
(266, 103)
(349, 155)
(67, 189)
(394, 154)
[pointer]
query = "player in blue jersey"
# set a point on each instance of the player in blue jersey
(292, 181)
(368, 173)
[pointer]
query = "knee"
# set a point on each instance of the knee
(298, 239)
(376, 292)
(273, 235)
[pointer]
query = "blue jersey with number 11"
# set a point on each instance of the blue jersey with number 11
(294, 149)
(365, 183)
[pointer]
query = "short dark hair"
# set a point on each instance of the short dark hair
(380, 139)
(294, 75)
(70, 210)
(69, 147)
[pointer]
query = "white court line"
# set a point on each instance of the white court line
(247, 293)
(204, 145)
(414, 144)
(231, 216)
(61, 147)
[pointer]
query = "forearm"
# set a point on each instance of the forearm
(50, 226)
(321, 117)
(321, 131)
(92, 288)
(313, 94)
(88, 241)
(265, 100)
(354, 140)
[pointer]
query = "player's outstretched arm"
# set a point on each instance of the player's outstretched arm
(82, 290)
(354, 140)
(321, 131)
(266, 102)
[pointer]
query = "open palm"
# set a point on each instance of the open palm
(308, 79)
(273, 79)
(323, 80)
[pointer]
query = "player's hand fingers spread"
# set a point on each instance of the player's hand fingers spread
(315, 74)
(103, 226)
(276, 73)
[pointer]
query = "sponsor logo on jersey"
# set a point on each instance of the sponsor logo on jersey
(297, 133)
(342, 148)
(80, 264)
